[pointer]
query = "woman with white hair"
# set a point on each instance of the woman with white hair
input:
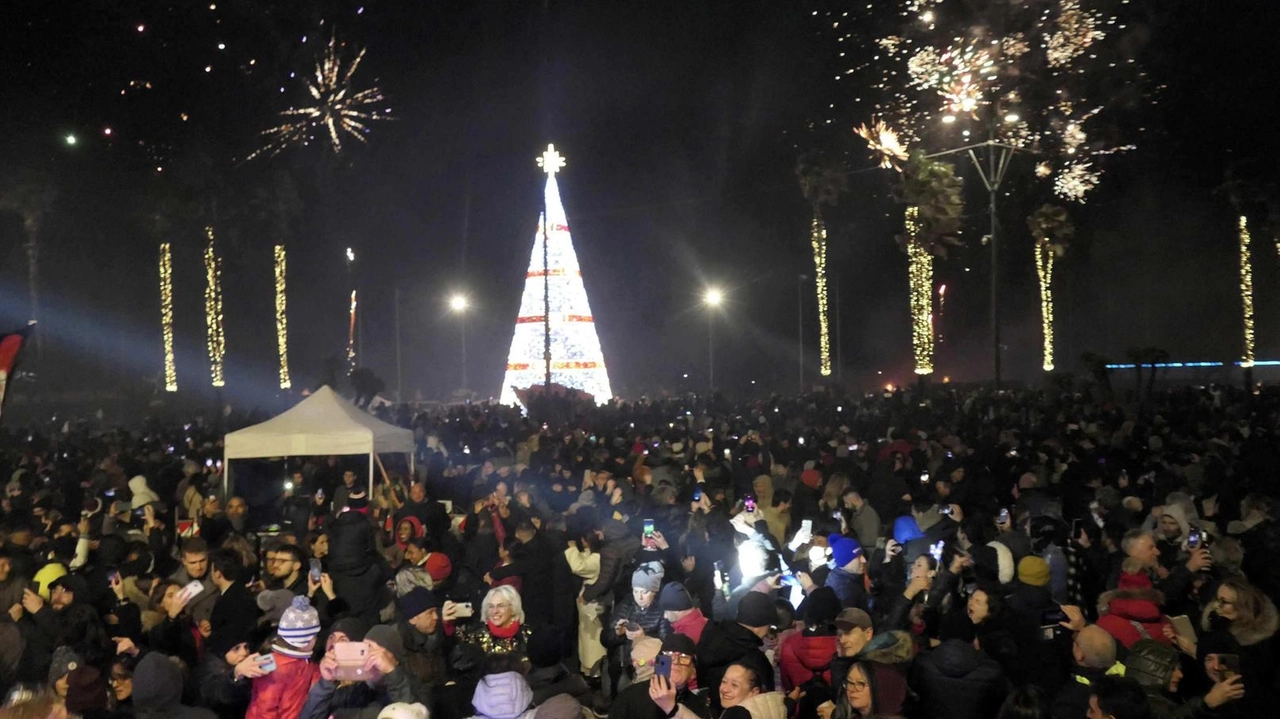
(499, 628)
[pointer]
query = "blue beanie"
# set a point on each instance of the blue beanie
(905, 529)
(844, 549)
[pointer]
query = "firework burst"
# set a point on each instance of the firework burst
(884, 143)
(337, 110)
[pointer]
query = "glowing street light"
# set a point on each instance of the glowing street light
(458, 304)
(713, 298)
(70, 139)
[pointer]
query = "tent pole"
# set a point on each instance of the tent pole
(413, 472)
(371, 477)
(226, 476)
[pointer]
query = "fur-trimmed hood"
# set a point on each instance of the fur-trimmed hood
(1141, 605)
(895, 648)
(1262, 628)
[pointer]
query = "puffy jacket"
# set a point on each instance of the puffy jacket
(616, 552)
(807, 654)
(959, 682)
(502, 696)
(1131, 615)
(1151, 664)
(651, 620)
(283, 693)
(848, 587)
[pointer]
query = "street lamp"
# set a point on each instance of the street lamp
(458, 304)
(713, 297)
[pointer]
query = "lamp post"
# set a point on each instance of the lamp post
(458, 304)
(712, 298)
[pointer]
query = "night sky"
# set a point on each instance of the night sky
(680, 122)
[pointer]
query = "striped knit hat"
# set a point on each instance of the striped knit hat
(300, 623)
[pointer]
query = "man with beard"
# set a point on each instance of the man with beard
(238, 515)
(287, 568)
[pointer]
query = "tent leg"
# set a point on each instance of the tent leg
(413, 471)
(371, 477)
(226, 477)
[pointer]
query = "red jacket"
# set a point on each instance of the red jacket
(690, 625)
(282, 693)
(803, 656)
(1127, 610)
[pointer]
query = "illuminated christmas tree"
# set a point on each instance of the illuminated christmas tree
(555, 316)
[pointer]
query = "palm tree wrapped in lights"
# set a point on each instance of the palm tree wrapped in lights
(1052, 231)
(822, 178)
(935, 209)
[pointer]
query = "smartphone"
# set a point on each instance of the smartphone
(266, 662)
(1075, 528)
(1003, 516)
(316, 570)
(113, 576)
(924, 478)
(806, 526)
(320, 494)
(720, 570)
(351, 657)
(192, 590)
(463, 610)
(697, 493)
(1230, 664)
(945, 510)
(749, 503)
(662, 666)
(1194, 537)
(110, 493)
(288, 486)
(648, 528)
(1051, 617)
(632, 626)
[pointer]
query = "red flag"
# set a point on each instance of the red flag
(10, 345)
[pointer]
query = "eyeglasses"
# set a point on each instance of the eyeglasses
(1224, 602)
(499, 605)
(856, 686)
(115, 678)
(678, 659)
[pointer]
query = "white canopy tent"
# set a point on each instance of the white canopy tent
(323, 424)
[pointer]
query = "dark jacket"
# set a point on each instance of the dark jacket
(957, 681)
(848, 587)
(615, 554)
(157, 691)
(235, 613)
(357, 701)
(534, 568)
(1072, 700)
(723, 643)
(651, 620)
(634, 703)
(219, 689)
(359, 573)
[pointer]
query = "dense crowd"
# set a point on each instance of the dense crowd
(939, 555)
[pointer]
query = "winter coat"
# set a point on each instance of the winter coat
(424, 654)
(866, 525)
(157, 691)
(1133, 614)
(235, 613)
(848, 587)
(357, 701)
(723, 643)
(1255, 642)
(634, 703)
(535, 570)
(219, 689)
(807, 654)
(690, 625)
(359, 573)
(651, 620)
(547, 682)
(502, 696)
(282, 693)
(955, 680)
(615, 554)
(1152, 665)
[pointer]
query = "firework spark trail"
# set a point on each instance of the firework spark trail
(339, 109)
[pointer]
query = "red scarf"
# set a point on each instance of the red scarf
(506, 632)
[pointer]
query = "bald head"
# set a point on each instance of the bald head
(1094, 648)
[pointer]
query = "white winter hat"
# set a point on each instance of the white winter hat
(300, 623)
(402, 710)
(1004, 559)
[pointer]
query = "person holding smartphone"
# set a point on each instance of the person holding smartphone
(1239, 632)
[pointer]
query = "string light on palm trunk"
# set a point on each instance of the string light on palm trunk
(818, 239)
(216, 341)
(1044, 271)
(166, 317)
(920, 279)
(282, 319)
(1246, 290)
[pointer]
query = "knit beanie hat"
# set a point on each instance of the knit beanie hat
(300, 623)
(647, 576)
(1033, 571)
(65, 661)
(643, 652)
(843, 549)
(811, 478)
(438, 566)
(273, 603)
(675, 598)
(86, 691)
(416, 602)
(679, 643)
(757, 610)
(821, 607)
(352, 627)
(403, 710)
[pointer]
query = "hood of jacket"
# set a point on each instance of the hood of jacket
(613, 530)
(958, 659)
(1138, 605)
(812, 651)
(157, 683)
(502, 696)
(1151, 664)
(768, 705)
(894, 648)
(1262, 628)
